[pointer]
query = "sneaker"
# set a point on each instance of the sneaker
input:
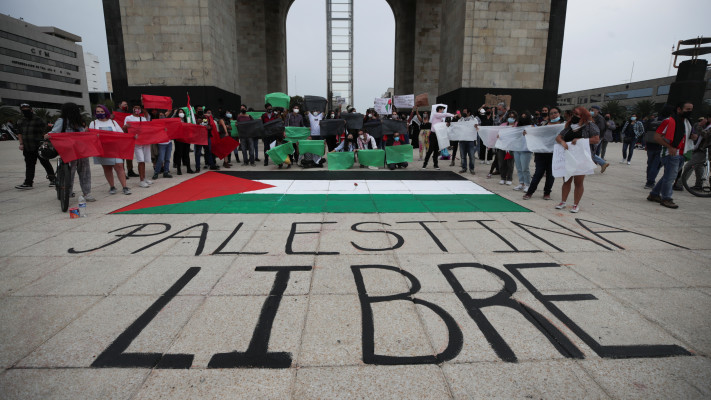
(629, 163)
(52, 183)
(526, 196)
(112, 190)
(488, 176)
(24, 186)
(437, 168)
(252, 164)
(669, 203)
(604, 167)
(424, 166)
(472, 172)
(482, 162)
(132, 174)
(88, 197)
(678, 188)
(560, 206)
(461, 171)
(575, 208)
(509, 183)
(167, 175)
(547, 197)
(143, 184)
(148, 181)
(655, 198)
(623, 161)
(214, 168)
(205, 167)
(519, 187)
(525, 188)
(501, 182)
(648, 186)
(155, 176)
(372, 167)
(126, 190)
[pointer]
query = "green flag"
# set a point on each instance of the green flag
(255, 114)
(343, 160)
(278, 99)
(398, 154)
(233, 124)
(279, 153)
(311, 146)
(371, 158)
(295, 133)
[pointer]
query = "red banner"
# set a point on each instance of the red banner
(221, 147)
(116, 144)
(119, 117)
(191, 133)
(75, 145)
(159, 102)
(156, 131)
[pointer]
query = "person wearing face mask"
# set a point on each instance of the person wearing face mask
(268, 116)
(437, 117)
(631, 131)
(506, 158)
(349, 144)
(102, 122)
(396, 140)
(365, 141)
(543, 117)
(142, 152)
(71, 120)
(580, 126)
(486, 155)
(31, 130)
(295, 118)
(607, 136)
(522, 159)
(182, 150)
(468, 148)
(544, 161)
(248, 144)
(599, 120)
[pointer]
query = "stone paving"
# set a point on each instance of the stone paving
(613, 302)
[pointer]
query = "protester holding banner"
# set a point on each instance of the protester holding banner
(438, 116)
(268, 116)
(142, 152)
(164, 149)
(70, 120)
(294, 119)
(249, 144)
(104, 123)
(485, 154)
(468, 147)
(544, 161)
(506, 159)
(580, 126)
(522, 159)
(182, 149)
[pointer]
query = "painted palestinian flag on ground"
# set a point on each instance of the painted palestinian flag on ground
(258, 192)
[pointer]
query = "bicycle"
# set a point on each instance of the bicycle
(703, 169)
(64, 184)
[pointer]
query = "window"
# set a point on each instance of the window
(629, 94)
(41, 60)
(38, 89)
(582, 100)
(35, 104)
(39, 45)
(595, 98)
(664, 89)
(38, 74)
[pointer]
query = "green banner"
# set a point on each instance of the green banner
(371, 158)
(339, 161)
(255, 114)
(278, 99)
(279, 153)
(233, 124)
(398, 154)
(295, 133)
(311, 146)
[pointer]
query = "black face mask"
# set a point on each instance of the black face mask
(575, 119)
(243, 111)
(27, 114)
(686, 114)
(607, 118)
(544, 115)
(488, 113)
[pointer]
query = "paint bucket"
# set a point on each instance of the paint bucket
(74, 212)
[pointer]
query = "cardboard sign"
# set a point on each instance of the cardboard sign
(492, 100)
(422, 100)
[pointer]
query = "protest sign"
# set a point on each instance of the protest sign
(332, 127)
(278, 99)
(404, 102)
(353, 120)
(274, 127)
(383, 106)
(398, 154)
(462, 130)
(251, 129)
(422, 100)
(540, 139)
(158, 102)
(442, 131)
(115, 144)
(434, 108)
(75, 145)
(492, 100)
(280, 153)
(312, 146)
(391, 126)
(315, 103)
(294, 133)
(577, 160)
(374, 128)
(511, 139)
(340, 160)
(371, 158)
(488, 135)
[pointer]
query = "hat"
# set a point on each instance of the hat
(25, 105)
(596, 107)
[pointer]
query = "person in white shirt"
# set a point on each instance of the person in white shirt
(142, 152)
(102, 122)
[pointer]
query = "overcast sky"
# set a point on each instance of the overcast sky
(602, 40)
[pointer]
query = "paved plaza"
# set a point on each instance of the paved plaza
(613, 302)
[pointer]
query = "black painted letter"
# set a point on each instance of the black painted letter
(166, 228)
(290, 240)
(400, 240)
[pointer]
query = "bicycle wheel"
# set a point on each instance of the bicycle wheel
(64, 185)
(688, 179)
(58, 178)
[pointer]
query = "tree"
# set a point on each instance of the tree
(45, 115)
(8, 114)
(644, 108)
(615, 109)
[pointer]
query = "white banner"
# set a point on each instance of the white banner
(540, 139)
(511, 139)
(442, 132)
(404, 102)
(575, 161)
(489, 135)
(434, 109)
(463, 130)
(383, 106)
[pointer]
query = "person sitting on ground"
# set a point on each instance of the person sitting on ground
(311, 160)
(396, 140)
(349, 144)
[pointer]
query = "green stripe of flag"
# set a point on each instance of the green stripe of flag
(371, 158)
(398, 154)
(340, 160)
(338, 203)
(311, 146)
(279, 153)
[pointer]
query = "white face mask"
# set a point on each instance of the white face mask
(181, 115)
(228, 115)
(296, 111)
(370, 115)
(362, 136)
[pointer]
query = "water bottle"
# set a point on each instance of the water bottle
(82, 207)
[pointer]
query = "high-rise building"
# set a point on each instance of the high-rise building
(93, 72)
(40, 65)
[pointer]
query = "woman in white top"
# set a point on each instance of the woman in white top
(104, 123)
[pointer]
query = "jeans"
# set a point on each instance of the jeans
(467, 149)
(163, 160)
(598, 160)
(248, 151)
(522, 160)
(602, 148)
(209, 157)
(625, 146)
(654, 163)
(544, 166)
(671, 165)
(31, 158)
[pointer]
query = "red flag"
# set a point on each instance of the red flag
(193, 134)
(116, 144)
(119, 117)
(149, 132)
(159, 102)
(213, 125)
(222, 147)
(75, 145)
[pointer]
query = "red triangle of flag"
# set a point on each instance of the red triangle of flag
(204, 186)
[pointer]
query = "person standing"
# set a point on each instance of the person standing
(31, 130)
(486, 155)
(580, 126)
(599, 120)
(505, 158)
(109, 165)
(607, 136)
(468, 147)
(702, 130)
(522, 159)
(544, 161)
(182, 149)
(437, 117)
(72, 121)
(268, 116)
(672, 134)
(249, 144)
(631, 131)
(142, 152)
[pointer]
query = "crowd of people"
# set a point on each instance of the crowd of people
(666, 137)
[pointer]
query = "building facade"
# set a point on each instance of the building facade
(93, 72)
(42, 66)
(627, 94)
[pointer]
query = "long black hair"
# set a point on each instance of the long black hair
(71, 117)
